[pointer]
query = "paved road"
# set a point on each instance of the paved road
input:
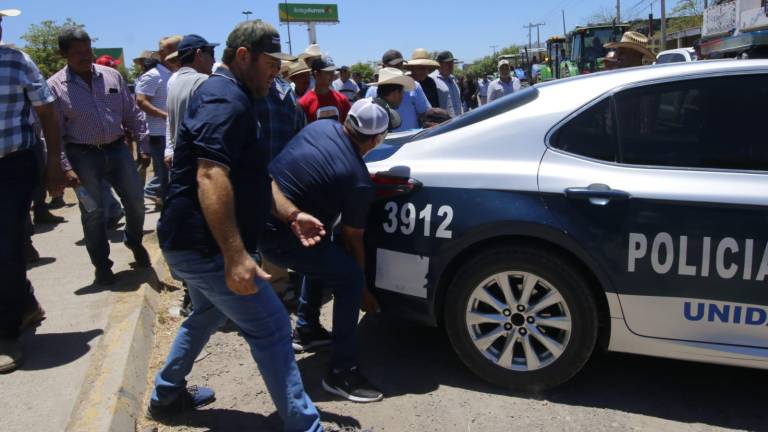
(428, 389)
(41, 395)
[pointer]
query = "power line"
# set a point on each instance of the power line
(530, 27)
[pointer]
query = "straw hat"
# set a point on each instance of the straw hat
(390, 75)
(312, 51)
(420, 57)
(634, 41)
(297, 67)
(146, 55)
(167, 42)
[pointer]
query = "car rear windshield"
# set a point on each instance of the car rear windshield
(499, 106)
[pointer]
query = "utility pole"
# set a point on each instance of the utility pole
(565, 32)
(530, 27)
(618, 11)
(493, 48)
(247, 14)
(663, 44)
(288, 21)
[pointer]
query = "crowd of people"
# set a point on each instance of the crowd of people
(257, 168)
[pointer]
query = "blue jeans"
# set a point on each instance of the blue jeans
(113, 163)
(262, 321)
(18, 177)
(326, 265)
(158, 185)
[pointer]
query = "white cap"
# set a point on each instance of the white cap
(503, 62)
(368, 118)
(10, 12)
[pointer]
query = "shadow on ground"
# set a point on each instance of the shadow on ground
(405, 358)
(126, 281)
(113, 236)
(231, 420)
(51, 350)
(41, 262)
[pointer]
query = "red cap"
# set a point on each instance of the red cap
(108, 61)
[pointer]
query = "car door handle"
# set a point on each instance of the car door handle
(598, 194)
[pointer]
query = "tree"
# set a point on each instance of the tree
(43, 45)
(487, 64)
(689, 13)
(364, 69)
(602, 16)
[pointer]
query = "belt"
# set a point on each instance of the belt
(114, 143)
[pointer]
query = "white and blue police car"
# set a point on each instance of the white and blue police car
(625, 210)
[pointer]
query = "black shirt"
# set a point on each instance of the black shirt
(430, 90)
(321, 172)
(222, 125)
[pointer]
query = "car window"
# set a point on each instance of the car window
(591, 133)
(670, 58)
(499, 106)
(699, 123)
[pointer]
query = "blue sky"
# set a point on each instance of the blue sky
(366, 30)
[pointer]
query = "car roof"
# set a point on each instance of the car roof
(677, 50)
(617, 78)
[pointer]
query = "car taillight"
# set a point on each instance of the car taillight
(388, 185)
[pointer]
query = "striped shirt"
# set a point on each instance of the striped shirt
(96, 114)
(154, 85)
(21, 87)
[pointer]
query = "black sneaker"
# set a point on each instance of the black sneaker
(308, 338)
(189, 399)
(351, 385)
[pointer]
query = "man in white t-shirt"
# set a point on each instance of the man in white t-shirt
(151, 97)
(345, 85)
(505, 84)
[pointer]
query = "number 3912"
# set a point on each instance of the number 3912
(406, 218)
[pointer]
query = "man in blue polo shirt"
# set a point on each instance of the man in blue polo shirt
(322, 171)
(216, 208)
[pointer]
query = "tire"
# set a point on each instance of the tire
(561, 336)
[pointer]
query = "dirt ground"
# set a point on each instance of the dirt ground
(427, 388)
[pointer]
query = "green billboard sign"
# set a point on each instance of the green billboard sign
(306, 12)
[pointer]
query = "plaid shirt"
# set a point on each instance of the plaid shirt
(21, 87)
(96, 114)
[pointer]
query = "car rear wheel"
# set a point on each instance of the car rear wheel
(522, 318)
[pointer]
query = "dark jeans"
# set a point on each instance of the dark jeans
(159, 183)
(18, 177)
(113, 163)
(326, 265)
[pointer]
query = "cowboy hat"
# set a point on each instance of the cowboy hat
(312, 51)
(146, 55)
(390, 75)
(10, 12)
(297, 67)
(420, 57)
(635, 41)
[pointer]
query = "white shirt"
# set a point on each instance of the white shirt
(349, 89)
(498, 88)
(154, 85)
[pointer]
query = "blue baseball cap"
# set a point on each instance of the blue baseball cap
(193, 42)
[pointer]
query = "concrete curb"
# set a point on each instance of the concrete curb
(112, 393)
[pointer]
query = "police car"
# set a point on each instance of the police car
(624, 210)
